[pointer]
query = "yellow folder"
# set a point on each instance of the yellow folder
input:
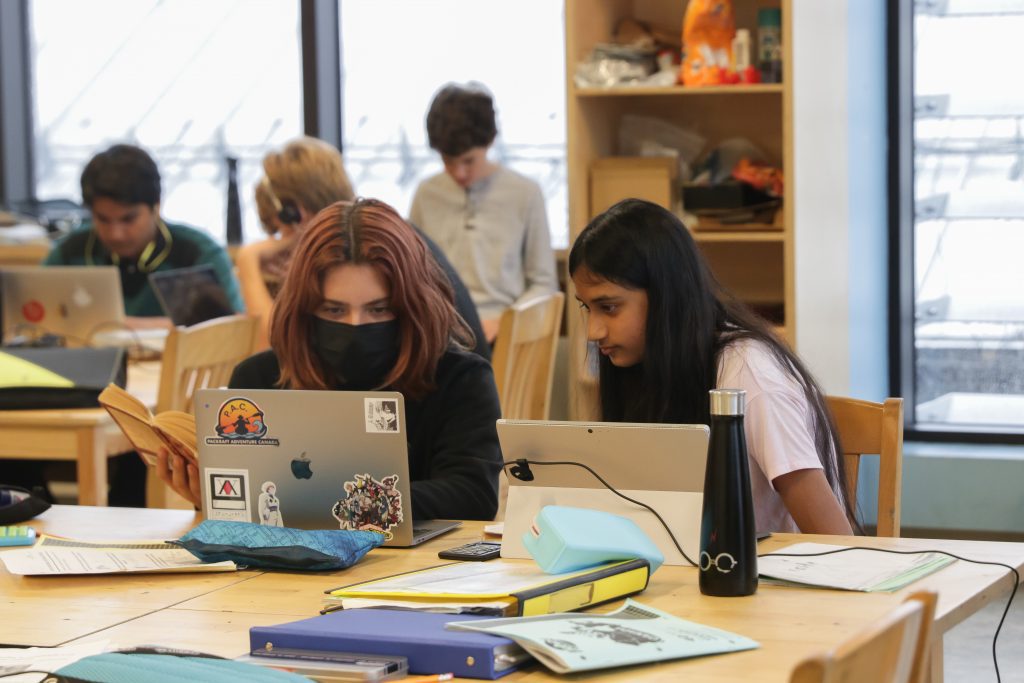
(521, 587)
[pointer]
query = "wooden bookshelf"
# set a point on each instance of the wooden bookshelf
(754, 261)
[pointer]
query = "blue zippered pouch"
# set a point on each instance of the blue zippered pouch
(272, 547)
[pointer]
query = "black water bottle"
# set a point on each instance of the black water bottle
(728, 538)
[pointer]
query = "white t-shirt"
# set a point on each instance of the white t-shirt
(778, 424)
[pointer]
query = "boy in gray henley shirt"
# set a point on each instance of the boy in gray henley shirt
(490, 221)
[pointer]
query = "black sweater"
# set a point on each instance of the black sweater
(463, 302)
(454, 458)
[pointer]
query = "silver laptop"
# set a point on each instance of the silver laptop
(309, 460)
(661, 465)
(75, 302)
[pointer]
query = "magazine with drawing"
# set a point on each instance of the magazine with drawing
(633, 634)
(147, 432)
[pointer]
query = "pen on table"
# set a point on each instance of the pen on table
(332, 608)
(429, 679)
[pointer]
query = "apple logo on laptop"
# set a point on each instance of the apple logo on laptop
(300, 467)
(80, 297)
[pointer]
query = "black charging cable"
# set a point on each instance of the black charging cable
(520, 469)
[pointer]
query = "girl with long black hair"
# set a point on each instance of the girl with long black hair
(668, 333)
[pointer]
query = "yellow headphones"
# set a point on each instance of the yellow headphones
(149, 260)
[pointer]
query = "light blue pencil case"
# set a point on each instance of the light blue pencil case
(564, 539)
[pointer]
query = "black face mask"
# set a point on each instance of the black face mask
(360, 356)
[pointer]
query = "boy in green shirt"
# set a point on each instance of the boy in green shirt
(121, 187)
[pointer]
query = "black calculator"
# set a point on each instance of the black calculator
(472, 552)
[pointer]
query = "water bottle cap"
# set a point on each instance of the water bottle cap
(769, 16)
(728, 401)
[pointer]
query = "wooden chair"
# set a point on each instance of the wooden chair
(895, 650)
(873, 428)
(524, 356)
(197, 357)
(524, 364)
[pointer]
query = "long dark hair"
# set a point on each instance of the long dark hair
(691, 319)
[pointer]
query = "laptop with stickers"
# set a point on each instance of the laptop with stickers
(309, 460)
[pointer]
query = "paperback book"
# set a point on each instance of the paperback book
(172, 429)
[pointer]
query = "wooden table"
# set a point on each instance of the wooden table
(27, 254)
(85, 435)
(213, 612)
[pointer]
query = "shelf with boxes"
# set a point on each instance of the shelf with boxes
(752, 256)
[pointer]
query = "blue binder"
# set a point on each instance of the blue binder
(419, 636)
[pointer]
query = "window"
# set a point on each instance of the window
(392, 70)
(191, 81)
(966, 341)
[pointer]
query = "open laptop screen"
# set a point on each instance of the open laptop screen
(660, 464)
(192, 295)
(73, 302)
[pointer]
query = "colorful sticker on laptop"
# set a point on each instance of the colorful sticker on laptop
(227, 494)
(269, 505)
(33, 311)
(370, 505)
(240, 421)
(381, 416)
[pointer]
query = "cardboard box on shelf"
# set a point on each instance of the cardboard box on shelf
(613, 179)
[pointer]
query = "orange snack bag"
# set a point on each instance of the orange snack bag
(708, 29)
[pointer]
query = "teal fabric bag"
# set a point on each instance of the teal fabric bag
(158, 665)
(272, 547)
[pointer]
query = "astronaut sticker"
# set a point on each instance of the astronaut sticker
(370, 505)
(269, 506)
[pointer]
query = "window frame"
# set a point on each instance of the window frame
(902, 357)
(321, 92)
(17, 177)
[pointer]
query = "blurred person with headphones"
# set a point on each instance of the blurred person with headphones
(302, 178)
(121, 187)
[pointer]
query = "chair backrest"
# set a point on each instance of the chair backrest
(868, 428)
(202, 356)
(524, 356)
(894, 650)
(197, 357)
